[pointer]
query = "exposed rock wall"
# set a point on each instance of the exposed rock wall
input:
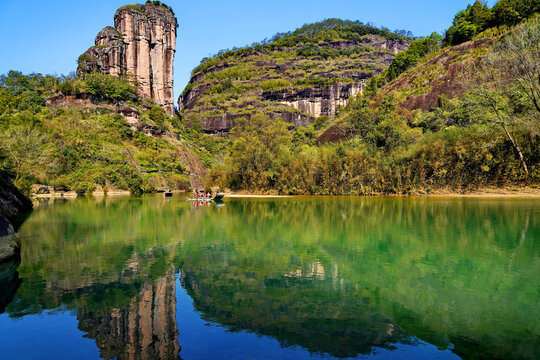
(220, 125)
(441, 75)
(316, 101)
(142, 44)
(12, 204)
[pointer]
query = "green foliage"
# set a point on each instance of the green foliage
(275, 84)
(303, 136)
(85, 58)
(118, 125)
(159, 3)
(461, 145)
(72, 86)
(327, 52)
(479, 17)
(410, 57)
(109, 88)
(157, 115)
(307, 38)
(511, 12)
(80, 149)
(259, 148)
(137, 7)
(469, 22)
(318, 81)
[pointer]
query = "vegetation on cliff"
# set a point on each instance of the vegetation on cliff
(479, 17)
(81, 149)
(487, 134)
(244, 81)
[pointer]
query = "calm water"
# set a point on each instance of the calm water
(299, 278)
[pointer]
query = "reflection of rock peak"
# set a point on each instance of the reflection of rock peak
(146, 329)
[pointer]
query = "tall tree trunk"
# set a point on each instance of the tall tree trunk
(516, 147)
(511, 138)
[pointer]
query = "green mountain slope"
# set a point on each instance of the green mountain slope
(297, 76)
(91, 134)
(452, 119)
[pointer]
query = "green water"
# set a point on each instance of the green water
(277, 278)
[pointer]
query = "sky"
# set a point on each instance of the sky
(48, 36)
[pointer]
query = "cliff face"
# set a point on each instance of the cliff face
(297, 79)
(316, 101)
(141, 45)
(12, 204)
(421, 86)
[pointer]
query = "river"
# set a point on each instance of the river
(275, 278)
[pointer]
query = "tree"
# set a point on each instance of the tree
(512, 69)
(410, 57)
(259, 151)
(469, 22)
(23, 146)
(518, 57)
(108, 87)
(511, 12)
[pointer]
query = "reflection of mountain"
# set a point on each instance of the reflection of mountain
(332, 275)
(301, 310)
(145, 329)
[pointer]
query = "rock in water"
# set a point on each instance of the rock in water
(142, 44)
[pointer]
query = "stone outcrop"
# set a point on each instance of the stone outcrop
(440, 76)
(333, 134)
(141, 45)
(316, 101)
(12, 204)
(220, 125)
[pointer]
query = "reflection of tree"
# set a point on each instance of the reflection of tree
(145, 329)
(336, 276)
(435, 268)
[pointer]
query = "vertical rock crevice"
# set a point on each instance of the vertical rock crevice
(141, 45)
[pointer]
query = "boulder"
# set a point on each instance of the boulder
(13, 203)
(41, 189)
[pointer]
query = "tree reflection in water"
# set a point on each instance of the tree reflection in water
(338, 277)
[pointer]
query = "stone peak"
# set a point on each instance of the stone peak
(150, 9)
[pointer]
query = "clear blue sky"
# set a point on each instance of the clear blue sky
(48, 36)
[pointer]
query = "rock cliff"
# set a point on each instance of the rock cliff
(141, 45)
(442, 75)
(316, 101)
(298, 77)
(12, 204)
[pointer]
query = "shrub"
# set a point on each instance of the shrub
(109, 88)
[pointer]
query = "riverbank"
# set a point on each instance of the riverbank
(522, 192)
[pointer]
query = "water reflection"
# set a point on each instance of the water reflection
(145, 328)
(337, 277)
(9, 282)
